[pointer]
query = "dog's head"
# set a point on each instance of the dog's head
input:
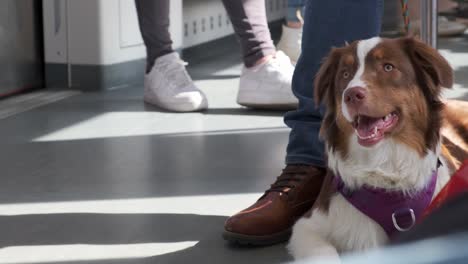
(377, 89)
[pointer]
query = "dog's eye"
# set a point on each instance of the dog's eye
(388, 67)
(346, 75)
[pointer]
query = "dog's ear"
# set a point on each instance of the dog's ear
(429, 65)
(325, 79)
(432, 72)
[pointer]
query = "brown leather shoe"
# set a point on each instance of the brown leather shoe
(270, 219)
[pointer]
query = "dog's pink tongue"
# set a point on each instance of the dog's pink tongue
(366, 125)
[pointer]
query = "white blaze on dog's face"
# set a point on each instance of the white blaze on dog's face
(362, 50)
(379, 88)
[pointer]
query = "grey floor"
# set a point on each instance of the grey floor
(102, 178)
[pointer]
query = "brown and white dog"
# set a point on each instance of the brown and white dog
(382, 130)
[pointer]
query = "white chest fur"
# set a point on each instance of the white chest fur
(344, 228)
(388, 165)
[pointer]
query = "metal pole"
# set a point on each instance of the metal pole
(429, 22)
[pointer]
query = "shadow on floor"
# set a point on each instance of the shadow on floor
(200, 77)
(454, 44)
(114, 229)
(241, 111)
(181, 164)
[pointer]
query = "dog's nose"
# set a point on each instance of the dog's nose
(355, 95)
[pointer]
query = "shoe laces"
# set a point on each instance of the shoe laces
(280, 59)
(282, 63)
(289, 179)
(175, 72)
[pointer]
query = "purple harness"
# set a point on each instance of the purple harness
(393, 210)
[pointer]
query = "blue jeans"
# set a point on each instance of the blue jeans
(326, 24)
(293, 6)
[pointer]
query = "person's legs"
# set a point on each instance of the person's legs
(290, 42)
(445, 27)
(167, 83)
(153, 18)
(294, 15)
(250, 23)
(265, 80)
(327, 24)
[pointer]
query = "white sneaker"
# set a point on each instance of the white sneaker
(169, 86)
(290, 42)
(268, 85)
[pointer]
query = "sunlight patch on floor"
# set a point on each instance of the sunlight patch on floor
(456, 59)
(60, 253)
(223, 205)
(121, 124)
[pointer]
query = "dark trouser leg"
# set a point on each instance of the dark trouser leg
(250, 23)
(153, 17)
(326, 24)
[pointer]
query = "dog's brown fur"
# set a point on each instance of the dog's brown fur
(412, 90)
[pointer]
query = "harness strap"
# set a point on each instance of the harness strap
(394, 211)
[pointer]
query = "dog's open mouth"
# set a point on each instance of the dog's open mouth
(371, 130)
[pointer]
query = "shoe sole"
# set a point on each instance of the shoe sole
(269, 106)
(249, 240)
(262, 101)
(180, 108)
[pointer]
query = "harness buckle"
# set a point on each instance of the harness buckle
(401, 212)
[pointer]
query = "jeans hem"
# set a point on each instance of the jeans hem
(291, 14)
(304, 159)
(251, 60)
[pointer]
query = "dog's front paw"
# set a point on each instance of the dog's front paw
(307, 243)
